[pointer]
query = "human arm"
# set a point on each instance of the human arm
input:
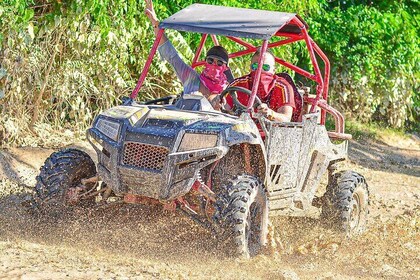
(185, 73)
(283, 114)
(215, 101)
(188, 77)
(281, 104)
(151, 14)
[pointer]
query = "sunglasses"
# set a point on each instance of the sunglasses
(265, 67)
(211, 60)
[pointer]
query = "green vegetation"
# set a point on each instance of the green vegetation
(375, 51)
(372, 130)
(63, 61)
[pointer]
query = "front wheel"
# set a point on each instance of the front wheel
(59, 182)
(242, 213)
(346, 202)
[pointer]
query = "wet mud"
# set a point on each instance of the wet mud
(145, 242)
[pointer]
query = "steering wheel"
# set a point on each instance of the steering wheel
(241, 107)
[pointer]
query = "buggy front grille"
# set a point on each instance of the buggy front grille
(144, 155)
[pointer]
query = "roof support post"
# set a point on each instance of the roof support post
(258, 74)
(199, 50)
(214, 38)
(319, 80)
(326, 76)
(148, 63)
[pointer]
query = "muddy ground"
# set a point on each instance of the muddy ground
(142, 243)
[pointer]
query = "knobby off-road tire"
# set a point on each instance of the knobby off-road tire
(242, 213)
(62, 171)
(346, 203)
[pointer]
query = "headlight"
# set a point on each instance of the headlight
(109, 128)
(195, 141)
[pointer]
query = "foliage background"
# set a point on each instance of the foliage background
(63, 61)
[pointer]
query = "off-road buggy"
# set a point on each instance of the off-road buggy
(222, 170)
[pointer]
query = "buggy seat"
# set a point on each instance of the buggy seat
(297, 113)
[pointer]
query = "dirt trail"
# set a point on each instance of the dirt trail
(142, 243)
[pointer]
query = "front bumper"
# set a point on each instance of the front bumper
(149, 170)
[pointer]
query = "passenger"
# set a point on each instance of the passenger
(276, 93)
(212, 79)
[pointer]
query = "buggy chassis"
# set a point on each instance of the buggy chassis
(220, 170)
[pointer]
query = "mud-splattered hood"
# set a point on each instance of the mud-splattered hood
(161, 118)
(166, 123)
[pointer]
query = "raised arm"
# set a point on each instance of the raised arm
(151, 14)
(185, 73)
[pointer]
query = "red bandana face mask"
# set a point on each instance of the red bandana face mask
(266, 84)
(214, 78)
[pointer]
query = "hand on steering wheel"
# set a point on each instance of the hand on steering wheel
(241, 107)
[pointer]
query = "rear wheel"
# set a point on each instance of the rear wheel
(346, 202)
(242, 213)
(59, 182)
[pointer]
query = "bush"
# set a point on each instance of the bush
(64, 61)
(374, 57)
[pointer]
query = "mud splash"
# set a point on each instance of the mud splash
(140, 242)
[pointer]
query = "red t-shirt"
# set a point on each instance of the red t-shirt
(281, 94)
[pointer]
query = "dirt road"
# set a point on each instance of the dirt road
(142, 243)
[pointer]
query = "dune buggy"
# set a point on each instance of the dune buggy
(219, 169)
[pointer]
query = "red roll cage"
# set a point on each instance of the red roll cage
(294, 29)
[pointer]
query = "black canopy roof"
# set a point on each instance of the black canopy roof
(228, 21)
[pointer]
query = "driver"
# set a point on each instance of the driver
(211, 81)
(276, 93)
